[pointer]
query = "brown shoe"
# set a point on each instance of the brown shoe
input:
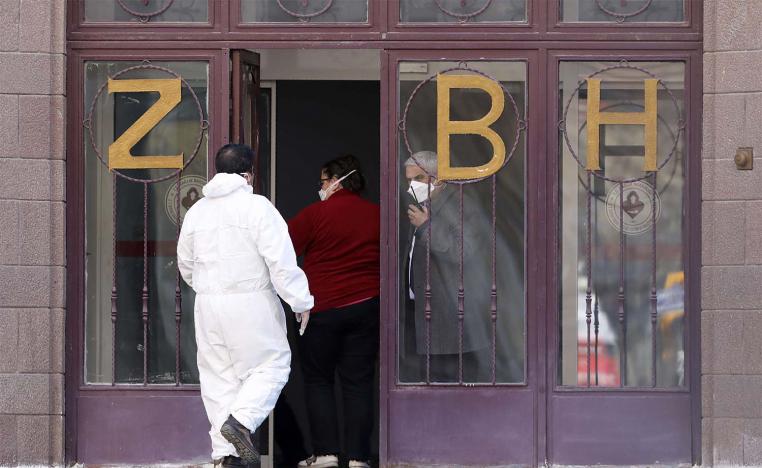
(237, 434)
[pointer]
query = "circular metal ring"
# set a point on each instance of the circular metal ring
(199, 140)
(305, 16)
(661, 119)
(518, 128)
(144, 17)
(621, 17)
(462, 17)
(574, 93)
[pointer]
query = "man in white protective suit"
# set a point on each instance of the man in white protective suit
(235, 252)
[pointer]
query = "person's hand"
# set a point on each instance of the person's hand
(417, 216)
(303, 318)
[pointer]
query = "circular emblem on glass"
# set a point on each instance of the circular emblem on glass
(637, 210)
(190, 193)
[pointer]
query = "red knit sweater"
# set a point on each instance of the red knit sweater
(339, 239)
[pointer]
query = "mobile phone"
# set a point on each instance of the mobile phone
(415, 201)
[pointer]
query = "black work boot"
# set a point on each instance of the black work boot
(230, 462)
(237, 434)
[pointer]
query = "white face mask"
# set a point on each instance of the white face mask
(420, 191)
(324, 194)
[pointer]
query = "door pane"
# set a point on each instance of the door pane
(487, 345)
(115, 230)
(159, 11)
(623, 258)
(460, 11)
(643, 11)
(299, 11)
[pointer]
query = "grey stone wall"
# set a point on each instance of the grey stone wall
(32, 231)
(731, 317)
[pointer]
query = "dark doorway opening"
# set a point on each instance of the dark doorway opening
(318, 120)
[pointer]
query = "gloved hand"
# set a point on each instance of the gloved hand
(303, 318)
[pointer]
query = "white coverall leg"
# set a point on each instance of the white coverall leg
(235, 252)
(243, 359)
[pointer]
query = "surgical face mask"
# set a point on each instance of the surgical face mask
(324, 194)
(420, 191)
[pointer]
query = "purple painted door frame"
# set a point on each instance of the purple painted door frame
(621, 426)
(462, 425)
(522, 424)
(126, 423)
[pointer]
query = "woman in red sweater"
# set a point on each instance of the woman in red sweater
(339, 239)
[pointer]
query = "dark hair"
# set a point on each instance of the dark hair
(342, 166)
(234, 159)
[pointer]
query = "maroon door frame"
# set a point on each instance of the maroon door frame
(543, 40)
(462, 425)
(543, 24)
(175, 413)
(660, 413)
(543, 153)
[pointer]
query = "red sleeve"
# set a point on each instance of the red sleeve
(300, 230)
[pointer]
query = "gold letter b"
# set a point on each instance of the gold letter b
(447, 127)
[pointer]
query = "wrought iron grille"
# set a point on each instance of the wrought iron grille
(623, 200)
(462, 11)
(623, 11)
(131, 176)
(456, 223)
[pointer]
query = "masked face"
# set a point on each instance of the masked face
(420, 191)
(325, 193)
(421, 184)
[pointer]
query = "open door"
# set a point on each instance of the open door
(249, 114)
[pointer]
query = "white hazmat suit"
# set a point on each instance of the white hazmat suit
(235, 252)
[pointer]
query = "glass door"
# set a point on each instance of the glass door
(462, 379)
(619, 341)
(138, 164)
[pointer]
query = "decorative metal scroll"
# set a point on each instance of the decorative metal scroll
(622, 17)
(305, 17)
(463, 67)
(463, 17)
(638, 187)
(519, 128)
(116, 175)
(145, 17)
(203, 124)
(666, 184)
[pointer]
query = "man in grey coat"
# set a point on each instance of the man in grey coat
(436, 223)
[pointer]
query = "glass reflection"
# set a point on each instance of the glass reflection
(625, 335)
(638, 11)
(177, 132)
(459, 11)
(177, 11)
(430, 250)
(300, 11)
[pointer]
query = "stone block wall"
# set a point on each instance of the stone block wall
(731, 317)
(32, 231)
